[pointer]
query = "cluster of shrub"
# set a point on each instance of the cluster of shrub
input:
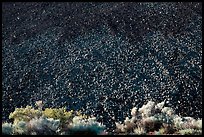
(151, 119)
(156, 119)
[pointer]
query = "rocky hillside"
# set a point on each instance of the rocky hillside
(102, 58)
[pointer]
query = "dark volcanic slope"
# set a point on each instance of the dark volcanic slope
(102, 58)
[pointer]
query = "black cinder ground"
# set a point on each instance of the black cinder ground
(102, 58)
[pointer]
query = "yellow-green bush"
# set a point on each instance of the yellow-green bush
(51, 121)
(59, 113)
(28, 113)
(24, 114)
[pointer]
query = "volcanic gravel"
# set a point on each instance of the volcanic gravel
(102, 58)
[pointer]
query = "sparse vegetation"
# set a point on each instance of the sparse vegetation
(150, 119)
